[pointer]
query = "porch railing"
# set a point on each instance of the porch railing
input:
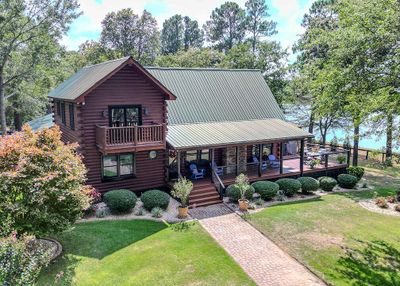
(219, 185)
(130, 135)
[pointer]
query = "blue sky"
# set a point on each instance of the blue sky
(287, 13)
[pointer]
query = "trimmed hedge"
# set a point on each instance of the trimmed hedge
(266, 189)
(289, 186)
(233, 193)
(120, 201)
(155, 198)
(308, 184)
(347, 181)
(327, 183)
(356, 171)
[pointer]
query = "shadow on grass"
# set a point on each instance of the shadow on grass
(373, 263)
(102, 238)
(368, 194)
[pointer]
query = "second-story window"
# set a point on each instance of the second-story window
(71, 116)
(125, 115)
(58, 106)
(63, 113)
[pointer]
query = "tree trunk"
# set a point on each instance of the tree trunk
(355, 144)
(3, 122)
(389, 135)
(311, 126)
(17, 121)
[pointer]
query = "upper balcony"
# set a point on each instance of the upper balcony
(130, 138)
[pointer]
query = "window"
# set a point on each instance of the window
(63, 113)
(118, 166)
(71, 116)
(125, 115)
(58, 105)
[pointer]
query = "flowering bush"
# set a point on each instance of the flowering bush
(181, 190)
(42, 187)
(20, 260)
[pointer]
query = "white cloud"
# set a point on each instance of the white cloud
(287, 13)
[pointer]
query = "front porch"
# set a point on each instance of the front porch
(212, 154)
(218, 167)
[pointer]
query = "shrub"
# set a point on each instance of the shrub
(155, 198)
(397, 208)
(102, 212)
(242, 183)
(139, 211)
(381, 202)
(157, 212)
(120, 201)
(233, 193)
(181, 190)
(259, 202)
(266, 189)
(327, 183)
(357, 172)
(21, 260)
(45, 178)
(315, 162)
(308, 184)
(391, 199)
(347, 181)
(341, 159)
(289, 186)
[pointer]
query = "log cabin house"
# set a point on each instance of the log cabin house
(141, 128)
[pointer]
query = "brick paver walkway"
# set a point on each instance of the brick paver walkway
(259, 257)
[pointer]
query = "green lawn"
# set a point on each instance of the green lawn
(142, 253)
(341, 241)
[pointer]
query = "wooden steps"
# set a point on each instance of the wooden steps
(203, 194)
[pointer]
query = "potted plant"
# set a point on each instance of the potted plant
(242, 183)
(314, 163)
(181, 191)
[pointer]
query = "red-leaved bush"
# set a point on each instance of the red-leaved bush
(42, 183)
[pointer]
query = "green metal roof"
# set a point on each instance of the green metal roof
(204, 135)
(212, 95)
(85, 79)
(42, 122)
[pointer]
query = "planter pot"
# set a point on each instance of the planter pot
(183, 212)
(243, 205)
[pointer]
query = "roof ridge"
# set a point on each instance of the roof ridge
(229, 121)
(107, 62)
(199, 68)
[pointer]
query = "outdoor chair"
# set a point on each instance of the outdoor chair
(196, 174)
(218, 170)
(263, 164)
(273, 161)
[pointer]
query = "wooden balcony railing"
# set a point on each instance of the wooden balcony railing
(130, 138)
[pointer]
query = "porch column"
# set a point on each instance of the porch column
(212, 164)
(301, 157)
(281, 158)
(260, 159)
(178, 160)
(237, 160)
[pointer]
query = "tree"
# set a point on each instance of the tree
(226, 27)
(28, 24)
(193, 36)
(172, 35)
(192, 58)
(42, 187)
(180, 33)
(313, 54)
(258, 26)
(131, 35)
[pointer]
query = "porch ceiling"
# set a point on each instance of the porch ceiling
(215, 134)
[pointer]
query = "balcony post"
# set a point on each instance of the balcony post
(301, 157)
(135, 134)
(212, 164)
